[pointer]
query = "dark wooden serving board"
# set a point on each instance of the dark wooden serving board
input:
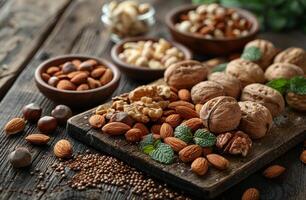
(287, 131)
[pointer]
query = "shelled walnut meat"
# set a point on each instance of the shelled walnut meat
(282, 70)
(267, 96)
(231, 84)
(293, 55)
(247, 72)
(221, 114)
(256, 119)
(185, 74)
(206, 90)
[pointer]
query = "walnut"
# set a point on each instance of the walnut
(296, 101)
(221, 114)
(206, 90)
(144, 110)
(267, 51)
(156, 92)
(256, 119)
(230, 83)
(246, 71)
(268, 97)
(234, 143)
(282, 70)
(185, 74)
(293, 55)
(120, 101)
(102, 109)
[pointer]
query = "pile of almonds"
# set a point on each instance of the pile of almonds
(78, 75)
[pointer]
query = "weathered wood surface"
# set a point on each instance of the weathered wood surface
(79, 30)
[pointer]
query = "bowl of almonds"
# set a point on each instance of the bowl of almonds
(146, 59)
(76, 80)
(212, 29)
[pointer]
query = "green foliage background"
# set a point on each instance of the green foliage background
(273, 15)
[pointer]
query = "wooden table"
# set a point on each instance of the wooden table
(32, 31)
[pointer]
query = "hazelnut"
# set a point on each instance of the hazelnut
(221, 114)
(256, 119)
(268, 97)
(231, 84)
(206, 90)
(246, 71)
(21, 157)
(61, 113)
(31, 112)
(47, 124)
(283, 70)
(185, 74)
(293, 55)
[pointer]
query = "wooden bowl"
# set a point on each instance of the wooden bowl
(142, 73)
(216, 47)
(79, 99)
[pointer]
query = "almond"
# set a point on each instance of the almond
(63, 149)
(193, 123)
(198, 108)
(142, 127)
(96, 121)
(83, 87)
(133, 135)
(45, 77)
(174, 104)
(175, 143)
(218, 161)
(174, 120)
(155, 129)
(303, 157)
(93, 83)
(190, 153)
(107, 77)
(38, 139)
(184, 95)
(168, 112)
(52, 70)
(199, 166)
(251, 194)
(65, 85)
(14, 126)
(73, 74)
(274, 171)
(186, 112)
(97, 73)
(79, 78)
(166, 130)
(115, 128)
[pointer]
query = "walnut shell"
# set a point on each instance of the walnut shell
(256, 119)
(267, 50)
(296, 101)
(266, 96)
(185, 74)
(293, 55)
(221, 114)
(246, 71)
(206, 90)
(282, 70)
(230, 83)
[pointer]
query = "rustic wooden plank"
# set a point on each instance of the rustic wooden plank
(24, 26)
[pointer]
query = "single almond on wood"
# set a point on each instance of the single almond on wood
(186, 112)
(14, 126)
(218, 161)
(115, 128)
(184, 95)
(175, 143)
(96, 121)
(274, 171)
(107, 77)
(63, 149)
(133, 135)
(193, 123)
(174, 120)
(174, 104)
(38, 139)
(166, 130)
(199, 166)
(65, 85)
(251, 194)
(190, 153)
(303, 157)
(142, 127)
(155, 129)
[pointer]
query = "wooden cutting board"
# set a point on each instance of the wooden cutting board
(288, 130)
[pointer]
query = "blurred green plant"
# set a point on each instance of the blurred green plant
(273, 15)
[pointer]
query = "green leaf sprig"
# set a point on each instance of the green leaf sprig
(220, 68)
(204, 138)
(296, 85)
(251, 53)
(184, 133)
(163, 153)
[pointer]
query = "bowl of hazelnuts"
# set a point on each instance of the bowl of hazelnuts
(212, 29)
(76, 80)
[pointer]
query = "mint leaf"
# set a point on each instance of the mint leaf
(148, 149)
(163, 154)
(147, 140)
(251, 53)
(219, 68)
(184, 133)
(298, 85)
(204, 138)
(280, 85)
(156, 143)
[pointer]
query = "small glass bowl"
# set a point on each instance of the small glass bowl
(126, 27)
